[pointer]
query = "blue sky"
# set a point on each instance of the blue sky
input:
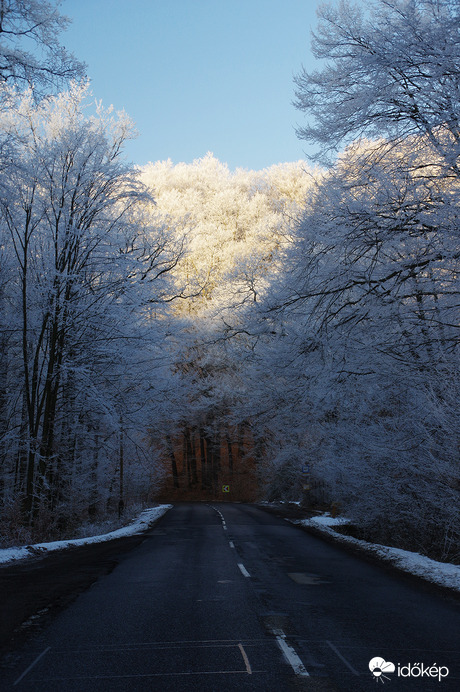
(199, 75)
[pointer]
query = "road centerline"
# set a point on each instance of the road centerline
(290, 654)
(243, 569)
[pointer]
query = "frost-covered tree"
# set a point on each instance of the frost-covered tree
(356, 355)
(87, 267)
(235, 222)
(364, 353)
(391, 69)
(30, 52)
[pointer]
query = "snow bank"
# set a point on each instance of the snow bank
(440, 573)
(143, 521)
(327, 520)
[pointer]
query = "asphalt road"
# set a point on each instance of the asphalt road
(228, 597)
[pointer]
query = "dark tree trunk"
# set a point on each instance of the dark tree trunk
(230, 453)
(121, 497)
(241, 428)
(215, 460)
(204, 461)
(175, 475)
(186, 470)
(92, 508)
(191, 457)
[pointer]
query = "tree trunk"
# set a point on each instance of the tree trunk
(175, 475)
(230, 453)
(241, 428)
(215, 460)
(92, 508)
(191, 457)
(121, 500)
(204, 461)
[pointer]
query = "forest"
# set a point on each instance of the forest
(184, 331)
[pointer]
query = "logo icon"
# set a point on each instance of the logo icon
(379, 667)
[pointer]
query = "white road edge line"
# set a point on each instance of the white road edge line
(231, 544)
(243, 569)
(27, 670)
(290, 655)
(245, 659)
(342, 658)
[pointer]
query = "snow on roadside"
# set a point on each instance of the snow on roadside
(143, 521)
(441, 573)
(326, 520)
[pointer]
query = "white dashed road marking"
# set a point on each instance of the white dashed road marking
(222, 518)
(243, 569)
(290, 655)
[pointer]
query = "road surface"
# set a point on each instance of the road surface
(227, 597)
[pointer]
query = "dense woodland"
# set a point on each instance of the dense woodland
(291, 333)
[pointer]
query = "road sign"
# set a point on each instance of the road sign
(225, 488)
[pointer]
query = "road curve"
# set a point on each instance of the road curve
(226, 597)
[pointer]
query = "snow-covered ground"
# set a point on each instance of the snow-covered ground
(140, 524)
(441, 573)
